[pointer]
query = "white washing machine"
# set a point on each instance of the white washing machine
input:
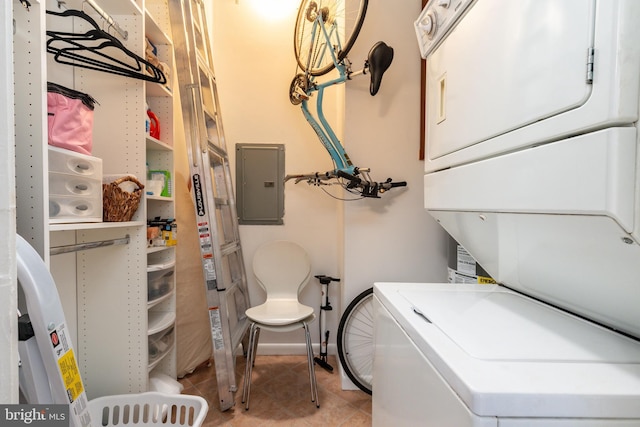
(461, 355)
(533, 167)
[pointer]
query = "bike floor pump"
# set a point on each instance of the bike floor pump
(324, 333)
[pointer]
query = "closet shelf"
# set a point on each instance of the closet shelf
(154, 144)
(94, 225)
(155, 249)
(160, 320)
(157, 89)
(157, 301)
(120, 7)
(154, 32)
(160, 198)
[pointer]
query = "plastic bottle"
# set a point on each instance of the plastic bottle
(154, 124)
(147, 122)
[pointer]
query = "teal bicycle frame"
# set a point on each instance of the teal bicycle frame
(321, 126)
(352, 178)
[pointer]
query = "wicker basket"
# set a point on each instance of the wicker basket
(119, 205)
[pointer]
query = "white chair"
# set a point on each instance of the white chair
(282, 269)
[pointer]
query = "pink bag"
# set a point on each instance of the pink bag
(70, 117)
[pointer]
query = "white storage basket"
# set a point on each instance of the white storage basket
(148, 409)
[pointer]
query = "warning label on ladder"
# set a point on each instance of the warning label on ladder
(216, 328)
(209, 269)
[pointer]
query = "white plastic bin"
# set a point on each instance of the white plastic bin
(64, 209)
(160, 281)
(75, 187)
(148, 409)
(71, 162)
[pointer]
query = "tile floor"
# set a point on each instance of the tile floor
(280, 396)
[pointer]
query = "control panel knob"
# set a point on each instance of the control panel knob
(429, 24)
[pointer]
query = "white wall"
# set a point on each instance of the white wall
(394, 238)
(255, 65)
(8, 286)
(391, 238)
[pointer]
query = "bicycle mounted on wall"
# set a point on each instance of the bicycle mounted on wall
(325, 32)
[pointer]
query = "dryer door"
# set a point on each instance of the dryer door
(505, 65)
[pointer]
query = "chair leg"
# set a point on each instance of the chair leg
(251, 357)
(255, 345)
(311, 364)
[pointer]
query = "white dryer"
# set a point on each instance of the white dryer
(533, 166)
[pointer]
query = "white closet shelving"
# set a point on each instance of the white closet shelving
(8, 354)
(104, 291)
(159, 154)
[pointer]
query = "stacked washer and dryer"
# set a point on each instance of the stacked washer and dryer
(533, 166)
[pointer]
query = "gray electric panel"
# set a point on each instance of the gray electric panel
(260, 183)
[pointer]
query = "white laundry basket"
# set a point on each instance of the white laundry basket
(148, 409)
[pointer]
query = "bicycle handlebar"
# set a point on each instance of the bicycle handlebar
(388, 184)
(365, 186)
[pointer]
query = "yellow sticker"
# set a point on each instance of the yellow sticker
(70, 375)
(485, 280)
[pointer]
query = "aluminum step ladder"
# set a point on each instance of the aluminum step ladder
(217, 221)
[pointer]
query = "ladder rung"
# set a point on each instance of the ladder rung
(234, 287)
(212, 142)
(204, 67)
(197, 26)
(208, 112)
(229, 248)
(219, 151)
(221, 201)
(211, 116)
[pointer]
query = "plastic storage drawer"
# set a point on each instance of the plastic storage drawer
(66, 161)
(75, 187)
(160, 281)
(62, 184)
(160, 343)
(74, 209)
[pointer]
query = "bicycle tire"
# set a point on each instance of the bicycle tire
(349, 24)
(355, 341)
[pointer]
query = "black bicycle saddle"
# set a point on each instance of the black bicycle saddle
(380, 57)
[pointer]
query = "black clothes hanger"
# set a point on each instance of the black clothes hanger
(98, 50)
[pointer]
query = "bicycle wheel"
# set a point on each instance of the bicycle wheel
(355, 340)
(343, 24)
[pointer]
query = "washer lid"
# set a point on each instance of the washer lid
(507, 355)
(496, 324)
